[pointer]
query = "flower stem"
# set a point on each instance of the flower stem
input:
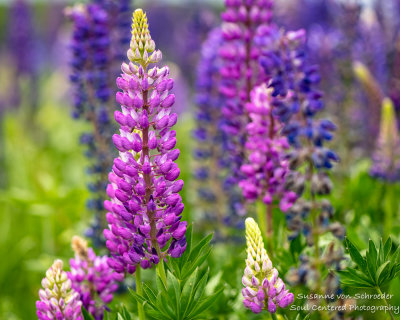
(139, 291)
(388, 210)
(273, 316)
(161, 272)
(386, 303)
(269, 228)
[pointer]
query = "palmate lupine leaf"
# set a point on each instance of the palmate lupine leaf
(183, 297)
(376, 269)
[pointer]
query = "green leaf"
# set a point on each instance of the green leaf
(387, 248)
(296, 247)
(160, 284)
(157, 315)
(86, 314)
(372, 256)
(140, 299)
(151, 296)
(204, 304)
(174, 293)
(195, 253)
(351, 278)
(196, 293)
(381, 253)
(356, 256)
(126, 314)
(382, 271)
(197, 263)
(187, 291)
(395, 256)
(166, 305)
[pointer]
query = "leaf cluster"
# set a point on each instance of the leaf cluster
(380, 265)
(183, 296)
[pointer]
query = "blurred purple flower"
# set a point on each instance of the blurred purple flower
(92, 278)
(266, 167)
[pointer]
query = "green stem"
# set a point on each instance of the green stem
(386, 303)
(161, 272)
(261, 217)
(270, 237)
(388, 210)
(273, 316)
(139, 291)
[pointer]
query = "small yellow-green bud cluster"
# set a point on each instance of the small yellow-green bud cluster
(142, 46)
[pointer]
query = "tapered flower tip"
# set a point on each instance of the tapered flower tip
(80, 247)
(57, 266)
(388, 132)
(253, 236)
(361, 71)
(141, 38)
(367, 80)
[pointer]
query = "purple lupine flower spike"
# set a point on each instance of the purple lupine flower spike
(263, 289)
(92, 278)
(266, 169)
(58, 301)
(145, 207)
(240, 72)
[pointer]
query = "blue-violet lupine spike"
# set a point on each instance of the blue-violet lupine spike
(218, 199)
(92, 278)
(208, 133)
(92, 67)
(297, 101)
(144, 213)
(58, 301)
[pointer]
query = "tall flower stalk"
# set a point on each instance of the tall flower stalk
(99, 37)
(144, 213)
(21, 35)
(266, 168)
(297, 101)
(240, 72)
(386, 162)
(208, 153)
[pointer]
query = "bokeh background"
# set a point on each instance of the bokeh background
(43, 191)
